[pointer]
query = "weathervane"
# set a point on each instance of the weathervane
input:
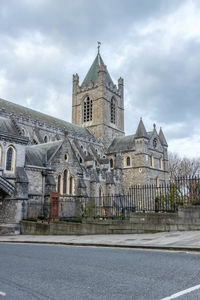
(99, 45)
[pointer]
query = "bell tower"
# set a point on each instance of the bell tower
(98, 104)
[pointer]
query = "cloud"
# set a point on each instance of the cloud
(154, 45)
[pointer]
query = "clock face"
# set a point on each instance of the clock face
(155, 142)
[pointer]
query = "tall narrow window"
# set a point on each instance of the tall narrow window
(45, 139)
(128, 161)
(111, 163)
(65, 181)
(59, 183)
(87, 110)
(112, 111)
(71, 185)
(10, 159)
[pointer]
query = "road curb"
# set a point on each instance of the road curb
(147, 247)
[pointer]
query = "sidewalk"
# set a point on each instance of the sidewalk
(179, 240)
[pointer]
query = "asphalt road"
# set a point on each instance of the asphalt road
(63, 272)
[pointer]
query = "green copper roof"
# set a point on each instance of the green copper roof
(93, 71)
(43, 118)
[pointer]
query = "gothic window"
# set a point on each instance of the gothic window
(157, 182)
(128, 161)
(10, 159)
(111, 163)
(65, 175)
(87, 110)
(45, 139)
(112, 110)
(66, 157)
(71, 185)
(59, 184)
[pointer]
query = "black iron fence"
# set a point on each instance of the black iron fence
(146, 198)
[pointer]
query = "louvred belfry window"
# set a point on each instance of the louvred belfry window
(87, 110)
(112, 111)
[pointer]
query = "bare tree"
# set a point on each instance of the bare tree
(181, 167)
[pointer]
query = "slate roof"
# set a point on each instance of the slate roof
(141, 131)
(122, 143)
(39, 155)
(43, 118)
(7, 126)
(93, 71)
(162, 138)
(6, 186)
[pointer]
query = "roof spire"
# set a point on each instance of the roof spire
(92, 74)
(162, 138)
(141, 131)
(98, 47)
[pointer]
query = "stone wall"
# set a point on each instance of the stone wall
(187, 218)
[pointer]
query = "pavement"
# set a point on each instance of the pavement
(179, 240)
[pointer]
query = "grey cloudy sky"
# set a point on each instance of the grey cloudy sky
(153, 44)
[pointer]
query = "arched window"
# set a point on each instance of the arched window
(152, 161)
(59, 184)
(71, 185)
(45, 139)
(66, 156)
(87, 110)
(10, 159)
(128, 161)
(112, 111)
(157, 182)
(65, 178)
(111, 163)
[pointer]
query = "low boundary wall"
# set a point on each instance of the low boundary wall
(186, 219)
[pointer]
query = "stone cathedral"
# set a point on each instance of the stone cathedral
(90, 157)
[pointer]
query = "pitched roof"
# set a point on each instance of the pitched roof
(93, 71)
(43, 118)
(141, 131)
(39, 155)
(7, 126)
(162, 138)
(122, 143)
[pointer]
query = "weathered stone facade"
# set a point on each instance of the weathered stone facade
(91, 157)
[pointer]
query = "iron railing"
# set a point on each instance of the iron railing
(146, 198)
